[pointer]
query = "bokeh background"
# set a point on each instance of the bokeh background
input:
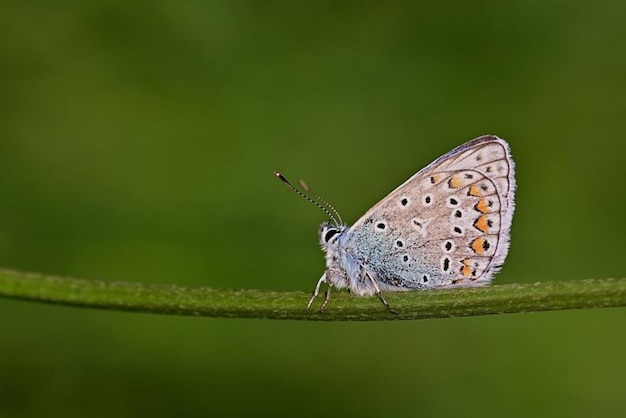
(138, 140)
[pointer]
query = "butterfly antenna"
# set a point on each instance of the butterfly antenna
(304, 196)
(320, 199)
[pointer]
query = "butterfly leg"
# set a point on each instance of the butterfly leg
(380, 294)
(316, 292)
(326, 299)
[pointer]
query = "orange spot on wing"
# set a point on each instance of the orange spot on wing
(455, 182)
(466, 271)
(482, 223)
(482, 206)
(475, 191)
(477, 245)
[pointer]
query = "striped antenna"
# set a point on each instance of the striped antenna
(320, 200)
(310, 199)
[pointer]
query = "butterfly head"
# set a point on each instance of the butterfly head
(329, 234)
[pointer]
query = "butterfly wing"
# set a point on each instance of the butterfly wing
(448, 225)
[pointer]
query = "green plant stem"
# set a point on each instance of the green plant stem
(202, 301)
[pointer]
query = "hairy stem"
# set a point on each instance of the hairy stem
(202, 301)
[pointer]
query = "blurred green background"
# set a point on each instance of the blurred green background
(138, 140)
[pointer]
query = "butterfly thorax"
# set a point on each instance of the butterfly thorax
(343, 268)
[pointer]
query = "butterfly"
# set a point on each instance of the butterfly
(446, 226)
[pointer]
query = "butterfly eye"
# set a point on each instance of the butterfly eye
(330, 234)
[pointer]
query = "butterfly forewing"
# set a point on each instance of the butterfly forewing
(448, 225)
